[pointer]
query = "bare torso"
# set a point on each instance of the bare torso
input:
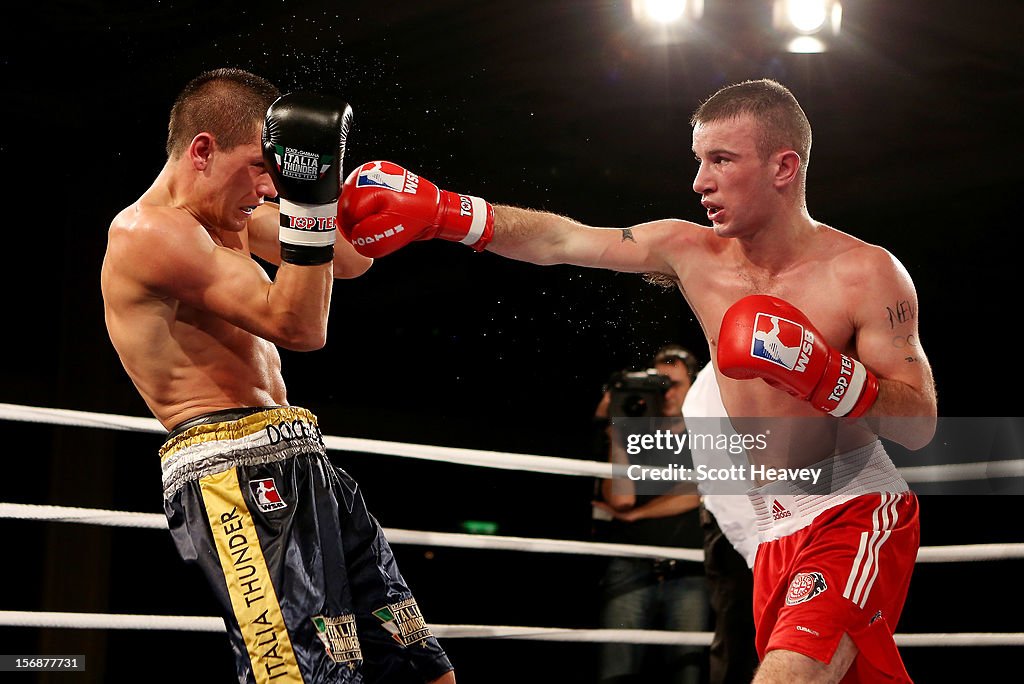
(714, 273)
(183, 360)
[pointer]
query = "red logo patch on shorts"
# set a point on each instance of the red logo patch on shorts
(265, 493)
(804, 587)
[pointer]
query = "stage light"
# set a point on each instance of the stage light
(805, 25)
(667, 12)
(806, 16)
(805, 45)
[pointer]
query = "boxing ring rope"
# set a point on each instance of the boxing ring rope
(395, 536)
(474, 457)
(927, 554)
(492, 459)
(14, 618)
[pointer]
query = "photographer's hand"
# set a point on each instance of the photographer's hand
(663, 506)
(666, 505)
(602, 408)
(625, 514)
(619, 493)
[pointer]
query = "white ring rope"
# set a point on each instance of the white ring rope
(476, 457)
(37, 414)
(958, 472)
(183, 623)
(395, 536)
(927, 554)
(21, 618)
(499, 543)
(94, 516)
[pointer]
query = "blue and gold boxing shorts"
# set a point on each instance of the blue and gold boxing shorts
(308, 584)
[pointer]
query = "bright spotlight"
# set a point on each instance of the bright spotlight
(806, 16)
(805, 24)
(666, 12)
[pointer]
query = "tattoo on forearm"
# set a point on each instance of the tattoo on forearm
(627, 234)
(903, 311)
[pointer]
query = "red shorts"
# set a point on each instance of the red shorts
(846, 572)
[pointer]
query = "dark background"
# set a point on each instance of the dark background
(565, 106)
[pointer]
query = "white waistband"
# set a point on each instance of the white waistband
(783, 507)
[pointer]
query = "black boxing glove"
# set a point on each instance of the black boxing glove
(304, 145)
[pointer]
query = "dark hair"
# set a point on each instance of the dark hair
(227, 103)
(782, 122)
(673, 353)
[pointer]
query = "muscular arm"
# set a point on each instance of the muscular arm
(177, 259)
(887, 342)
(263, 242)
(545, 239)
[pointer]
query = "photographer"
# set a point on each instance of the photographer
(646, 593)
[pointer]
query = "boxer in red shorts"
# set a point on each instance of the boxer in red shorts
(756, 279)
(837, 568)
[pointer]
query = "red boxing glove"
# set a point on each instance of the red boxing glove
(765, 337)
(384, 207)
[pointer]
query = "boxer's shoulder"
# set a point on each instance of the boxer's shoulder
(154, 245)
(143, 220)
(850, 259)
(682, 242)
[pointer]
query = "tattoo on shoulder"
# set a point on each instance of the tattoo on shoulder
(627, 234)
(902, 312)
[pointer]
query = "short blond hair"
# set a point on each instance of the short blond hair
(783, 123)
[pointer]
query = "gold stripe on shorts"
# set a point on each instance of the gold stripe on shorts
(253, 598)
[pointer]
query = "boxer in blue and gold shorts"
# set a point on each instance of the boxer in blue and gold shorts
(308, 585)
(251, 497)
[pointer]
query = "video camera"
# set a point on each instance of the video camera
(637, 394)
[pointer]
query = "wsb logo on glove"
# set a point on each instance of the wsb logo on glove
(384, 207)
(768, 338)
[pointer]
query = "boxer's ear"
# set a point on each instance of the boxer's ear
(199, 151)
(786, 167)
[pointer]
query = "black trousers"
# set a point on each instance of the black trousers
(731, 591)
